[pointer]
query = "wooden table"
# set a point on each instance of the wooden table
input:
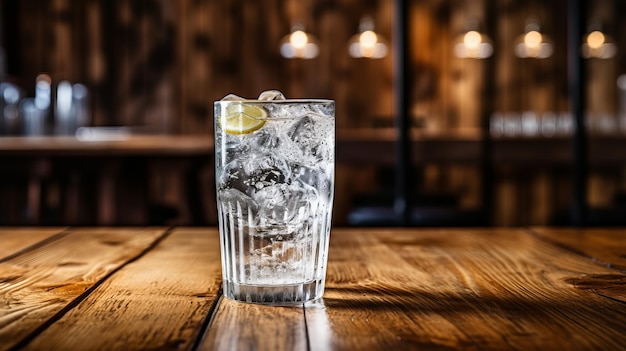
(397, 289)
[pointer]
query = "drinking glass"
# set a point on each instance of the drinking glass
(275, 164)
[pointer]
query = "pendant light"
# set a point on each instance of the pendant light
(473, 44)
(367, 43)
(597, 44)
(299, 44)
(533, 43)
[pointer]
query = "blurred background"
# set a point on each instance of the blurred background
(107, 105)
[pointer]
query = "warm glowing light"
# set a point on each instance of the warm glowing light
(367, 44)
(474, 45)
(299, 39)
(598, 45)
(533, 44)
(472, 39)
(299, 44)
(595, 40)
(368, 39)
(533, 39)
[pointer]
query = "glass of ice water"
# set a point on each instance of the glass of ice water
(275, 164)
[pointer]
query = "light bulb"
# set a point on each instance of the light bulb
(595, 39)
(298, 39)
(368, 39)
(473, 44)
(367, 44)
(533, 43)
(472, 39)
(533, 39)
(299, 44)
(598, 45)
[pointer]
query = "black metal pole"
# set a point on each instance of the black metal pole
(402, 202)
(576, 83)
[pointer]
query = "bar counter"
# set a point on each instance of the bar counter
(145, 288)
(372, 146)
(117, 168)
(110, 167)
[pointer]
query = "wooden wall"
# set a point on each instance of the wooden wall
(162, 63)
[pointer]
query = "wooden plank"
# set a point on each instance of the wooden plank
(17, 239)
(241, 326)
(41, 284)
(158, 302)
(603, 246)
(606, 246)
(460, 289)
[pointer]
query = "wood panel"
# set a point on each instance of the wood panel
(163, 299)
(405, 289)
(274, 328)
(41, 284)
(447, 289)
(162, 64)
(605, 246)
(15, 240)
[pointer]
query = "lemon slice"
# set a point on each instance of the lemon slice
(242, 118)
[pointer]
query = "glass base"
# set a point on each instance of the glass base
(274, 294)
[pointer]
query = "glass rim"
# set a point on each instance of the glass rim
(286, 101)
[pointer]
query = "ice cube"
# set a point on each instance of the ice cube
(323, 109)
(266, 168)
(282, 204)
(303, 133)
(232, 177)
(252, 174)
(302, 130)
(273, 202)
(315, 136)
(266, 177)
(269, 95)
(232, 97)
(267, 140)
(304, 198)
(314, 177)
